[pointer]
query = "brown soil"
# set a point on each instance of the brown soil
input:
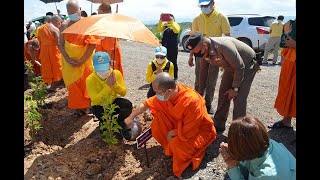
(72, 148)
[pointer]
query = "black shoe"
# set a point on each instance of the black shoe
(125, 131)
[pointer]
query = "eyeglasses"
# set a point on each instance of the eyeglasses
(160, 57)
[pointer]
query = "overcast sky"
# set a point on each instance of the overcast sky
(150, 10)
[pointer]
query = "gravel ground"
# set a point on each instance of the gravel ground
(68, 148)
(260, 101)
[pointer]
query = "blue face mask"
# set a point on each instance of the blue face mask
(206, 10)
(161, 98)
(74, 17)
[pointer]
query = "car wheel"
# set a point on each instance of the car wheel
(247, 41)
(184, 42)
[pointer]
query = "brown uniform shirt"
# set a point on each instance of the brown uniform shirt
(229, 53)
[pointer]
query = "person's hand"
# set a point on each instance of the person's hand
(190, 61)
(290, 42)
(171, 134)
(128, 121)
(111, 80)
(112, 63)
(224, 151)
(159, 70)
(37, 63)
(231, 94)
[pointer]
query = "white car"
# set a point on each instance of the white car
(252, 29)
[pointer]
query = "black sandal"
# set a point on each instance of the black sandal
(279, 125)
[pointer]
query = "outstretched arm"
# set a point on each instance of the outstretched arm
(140, 109)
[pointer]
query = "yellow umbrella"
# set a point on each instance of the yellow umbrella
(114, 25)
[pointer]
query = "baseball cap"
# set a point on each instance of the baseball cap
(194, 40)
(101, 61)
(203, 2)
(161, 51)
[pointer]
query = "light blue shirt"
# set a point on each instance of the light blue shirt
(277, 163)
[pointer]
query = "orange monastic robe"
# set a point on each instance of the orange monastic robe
(107, 45)
(27, 56)
(50, 56)
(286, 99)
(186, 114)
(75, 77)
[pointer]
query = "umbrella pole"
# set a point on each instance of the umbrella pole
(117, 9)
(91, 7)
(114, 53)
(56, 6)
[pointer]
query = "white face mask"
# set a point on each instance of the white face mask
(160, 61)
(103, 74)
(206, 10)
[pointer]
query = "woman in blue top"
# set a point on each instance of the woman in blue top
(250, 154)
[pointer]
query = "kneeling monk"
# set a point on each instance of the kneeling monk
(181, 123)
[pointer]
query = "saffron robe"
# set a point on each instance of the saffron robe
(185, 114)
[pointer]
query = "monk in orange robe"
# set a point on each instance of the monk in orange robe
(48, 35)
(31, 53)
(110, 45)
(286, 99)
(77, 52)
(181, 123)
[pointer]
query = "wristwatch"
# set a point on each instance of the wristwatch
(236, 89)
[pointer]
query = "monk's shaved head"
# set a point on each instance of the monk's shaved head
(35, 43)
(55, 18)
(48, 19)
(164, 81)
(72, 6)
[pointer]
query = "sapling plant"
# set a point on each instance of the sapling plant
(110, 125)
(33, 116)
(39, 92)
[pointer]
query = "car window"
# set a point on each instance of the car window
(235, 21)
(256, 21)
(261, 21)
(268, 20)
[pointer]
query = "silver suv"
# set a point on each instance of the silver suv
(252, 29)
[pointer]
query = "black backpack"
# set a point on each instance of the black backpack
(166, 68)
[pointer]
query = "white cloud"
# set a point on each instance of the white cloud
(150, 10)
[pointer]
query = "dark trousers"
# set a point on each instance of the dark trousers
(172, 56)
(151, 92)
(124, 111)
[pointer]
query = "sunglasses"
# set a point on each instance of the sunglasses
(160, 57)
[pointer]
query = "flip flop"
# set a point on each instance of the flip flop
(279, 125)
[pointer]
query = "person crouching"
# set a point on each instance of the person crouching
(158, 65)
(104, 83)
